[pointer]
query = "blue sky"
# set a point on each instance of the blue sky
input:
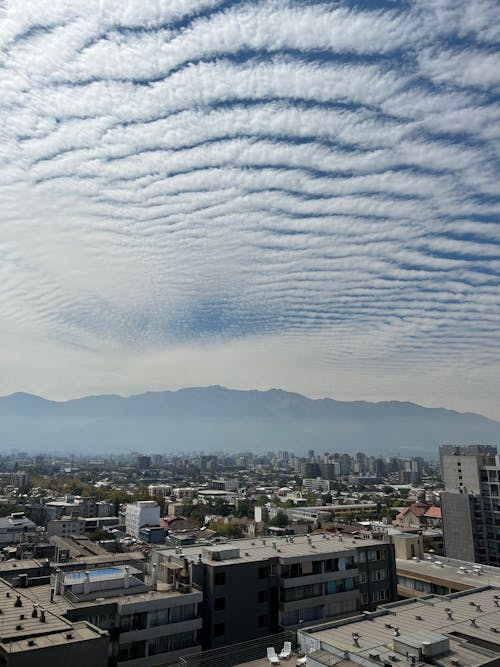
(256, 194)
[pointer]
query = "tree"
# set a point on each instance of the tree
(228, 529)
(280, 520)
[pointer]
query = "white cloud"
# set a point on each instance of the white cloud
(260, 194)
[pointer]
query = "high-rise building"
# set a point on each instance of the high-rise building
(470, 503)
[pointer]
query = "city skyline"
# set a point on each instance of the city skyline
(254, 195)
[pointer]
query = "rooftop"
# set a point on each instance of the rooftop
(463, 627)
(78, 632)
(260, 549)
(17, 619)
(465, 575)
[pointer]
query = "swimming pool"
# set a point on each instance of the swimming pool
(93, 574)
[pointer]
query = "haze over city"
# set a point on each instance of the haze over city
(251, 194)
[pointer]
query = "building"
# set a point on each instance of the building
(163, 490)
(347, 510)
(316, 484)
(19, 479)
(441, 576)
(17, 528)
(66, 526)
(148, 624)
(459, 630)
(38, 635)
(470, 503)
(253, 588)
(140, 514)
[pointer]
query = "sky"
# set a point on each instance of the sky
(302, 195)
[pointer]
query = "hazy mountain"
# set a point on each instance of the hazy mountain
(208, 418)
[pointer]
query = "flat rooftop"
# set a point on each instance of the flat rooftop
(470, 620)
(79, 632)
(60, 605)
(287, 547)
(469, 576)
(17, 620)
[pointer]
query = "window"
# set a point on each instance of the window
(263, 596)
(183, 613)
(157, 617)
(331, 587)
(219, 629)
(220, 578)
(263, 572)
(307, 567)
(219, 604)
(364, 598)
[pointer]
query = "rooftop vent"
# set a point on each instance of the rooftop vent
(69, 635)
(18, 602)
(494, 630)
(473, 622)
(419, 618)
(19, 627)
(42, 616)
(31, 642)
(455, 661)
(374, 655)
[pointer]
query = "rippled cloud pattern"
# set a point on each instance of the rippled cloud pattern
(315, 182)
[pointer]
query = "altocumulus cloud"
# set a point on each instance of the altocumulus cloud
(301, 194)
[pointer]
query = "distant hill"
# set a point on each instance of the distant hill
(215, 418)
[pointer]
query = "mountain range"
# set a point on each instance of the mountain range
(219, 419)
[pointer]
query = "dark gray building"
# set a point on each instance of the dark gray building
(470, 503)
(252, 588)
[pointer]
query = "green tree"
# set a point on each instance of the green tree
(280, 520)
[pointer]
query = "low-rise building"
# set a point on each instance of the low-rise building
(17, 528)
(443, 631)
(66, 526)
(38, 635)
(418, 577)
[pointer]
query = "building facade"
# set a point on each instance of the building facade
(139, 514)
(470, 503)
(253, 588)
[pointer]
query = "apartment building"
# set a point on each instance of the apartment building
(148, 624)
(139, 514)
(66, 526)
(470, 503)
(252, 588)
(35, 635)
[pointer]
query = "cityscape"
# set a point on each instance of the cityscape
(249, 333)
(207, 559)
